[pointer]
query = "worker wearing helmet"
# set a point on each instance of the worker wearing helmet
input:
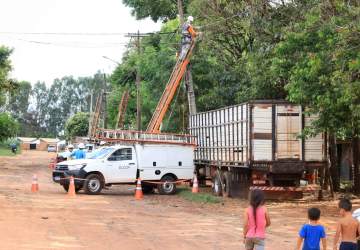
(67, 154)
(188, 34)
(80, 152)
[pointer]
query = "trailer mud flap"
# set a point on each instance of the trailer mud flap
(280, 193)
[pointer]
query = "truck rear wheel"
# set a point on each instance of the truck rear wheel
(217, 186)
(167, 188)
(93, 184)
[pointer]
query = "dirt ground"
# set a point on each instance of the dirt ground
(50, 219)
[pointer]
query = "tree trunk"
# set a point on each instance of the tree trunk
(355, 155)
(334, 167)
(322, 175)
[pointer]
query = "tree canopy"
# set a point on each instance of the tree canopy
(77, 125)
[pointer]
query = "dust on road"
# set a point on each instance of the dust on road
(115, 220)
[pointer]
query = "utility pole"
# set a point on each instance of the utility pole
(105, 103)
(91, 112)
(138, 35)
(189, 84)
(181, 11)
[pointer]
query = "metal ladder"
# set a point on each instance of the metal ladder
(121, 136)
(122, 110)
(96, 116)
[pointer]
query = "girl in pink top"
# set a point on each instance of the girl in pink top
(256, 219)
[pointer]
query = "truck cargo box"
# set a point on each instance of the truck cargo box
(257, 135)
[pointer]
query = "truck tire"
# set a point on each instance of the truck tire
(66, 188)
(226, 184)
(93, 184)
(167, 188)
(217, 185)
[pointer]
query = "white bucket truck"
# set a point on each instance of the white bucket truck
(123, 164)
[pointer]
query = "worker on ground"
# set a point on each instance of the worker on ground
(80, 152)
(13, 147)
(67, 154)
(188, 35)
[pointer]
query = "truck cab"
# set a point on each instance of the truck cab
(123, 164)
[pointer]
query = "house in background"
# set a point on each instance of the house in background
(28, 143)
(46, 142)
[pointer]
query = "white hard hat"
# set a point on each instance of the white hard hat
(81, 145)
(190, 19)
(70, 146)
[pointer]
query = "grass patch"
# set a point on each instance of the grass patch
(197, 197)
(6, 151)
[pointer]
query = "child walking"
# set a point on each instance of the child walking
(256, 219)
(311, 233)
(347, 227)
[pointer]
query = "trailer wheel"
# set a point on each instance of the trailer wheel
(167, 188)
(66, 188)
(93, 184)
(217, 186)
(226, 184)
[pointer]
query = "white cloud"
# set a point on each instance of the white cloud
(64, 54)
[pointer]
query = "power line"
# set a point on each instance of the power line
(81, 33)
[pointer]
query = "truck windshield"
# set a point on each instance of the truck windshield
(100, 153)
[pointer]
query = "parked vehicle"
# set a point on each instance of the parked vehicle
(51, 148)
(255, 143)
(123, 164)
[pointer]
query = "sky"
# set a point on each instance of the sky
(44, 57)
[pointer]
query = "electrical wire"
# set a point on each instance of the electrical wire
(80, 33)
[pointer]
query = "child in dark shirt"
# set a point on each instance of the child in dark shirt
(311, 233)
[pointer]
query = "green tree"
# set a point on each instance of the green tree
(319, 61)
(8, 127)
(77, 125)
(156, 9)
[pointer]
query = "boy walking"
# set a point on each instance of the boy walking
(347, 227)
(311, 233)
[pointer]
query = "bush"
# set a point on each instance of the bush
(8, 127)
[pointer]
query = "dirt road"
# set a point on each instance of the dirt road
(114, 220)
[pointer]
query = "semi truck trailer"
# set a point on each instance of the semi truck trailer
(257, 143)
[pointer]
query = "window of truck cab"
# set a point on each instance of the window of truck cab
(122, 154)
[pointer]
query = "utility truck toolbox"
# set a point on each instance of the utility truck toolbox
(124, 164)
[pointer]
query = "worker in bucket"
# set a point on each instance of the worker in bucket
(80, 152)
(188, 34)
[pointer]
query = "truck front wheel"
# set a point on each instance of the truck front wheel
(93, 184)
(168, 187)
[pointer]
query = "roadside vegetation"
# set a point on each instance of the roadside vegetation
(186, 193)
(5, 149)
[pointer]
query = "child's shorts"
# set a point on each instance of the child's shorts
(254, 244)
(348, 246)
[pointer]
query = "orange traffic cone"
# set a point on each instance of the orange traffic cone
(195, 187)
(34, 185)
(71, 191)
(138, 190)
